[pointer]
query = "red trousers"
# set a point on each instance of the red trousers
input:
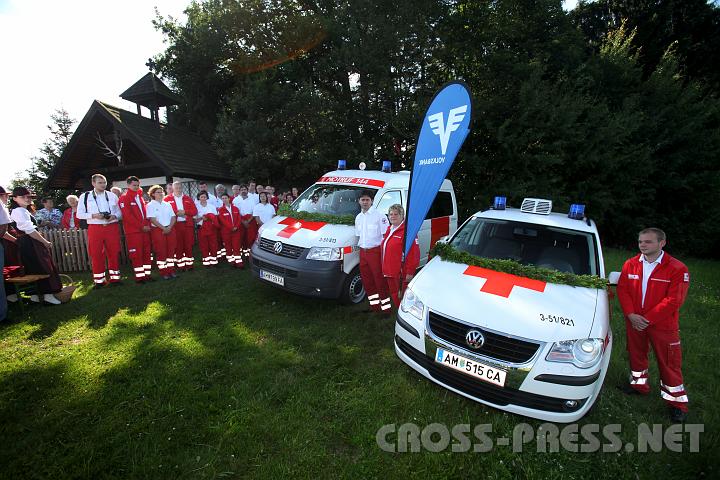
(184, 240)
(666, 345)
(164, 249)
(138, 246)
(373, 280)
(222, 251)
(232, 246)
(248, 236)
(104, 245)
(208, 247)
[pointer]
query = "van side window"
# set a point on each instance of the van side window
(442, 206)
(388, 199)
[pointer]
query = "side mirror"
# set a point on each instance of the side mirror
(443, 239)
(613, 278)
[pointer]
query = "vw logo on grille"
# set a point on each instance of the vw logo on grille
(278, 247)
(474, 339)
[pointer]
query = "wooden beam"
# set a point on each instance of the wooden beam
(126, 168)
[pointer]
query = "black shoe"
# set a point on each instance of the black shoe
(677, 415)
(149, 279)
(115, 284)
(98, 286)
(628, 390)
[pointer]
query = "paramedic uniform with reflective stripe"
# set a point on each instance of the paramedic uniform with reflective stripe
(163, 243)
(656, 291)
(184, 230)
(232, 230)
(103, 235)
(369, 227)
(207, 234)
(392, 265)
(245, 206)
(132, 206)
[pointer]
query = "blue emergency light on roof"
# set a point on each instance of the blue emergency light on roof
(342, 164)
(499, 203)
(386, 166)
(577, 211)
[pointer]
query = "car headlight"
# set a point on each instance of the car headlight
(411, 304)
(327, 254)
(583, 352)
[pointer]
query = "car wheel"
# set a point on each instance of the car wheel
(353, 291)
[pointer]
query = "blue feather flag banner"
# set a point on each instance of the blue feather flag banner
(445, 126)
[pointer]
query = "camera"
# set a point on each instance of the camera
(106, 215)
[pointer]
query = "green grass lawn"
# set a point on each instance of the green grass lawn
(217, 375)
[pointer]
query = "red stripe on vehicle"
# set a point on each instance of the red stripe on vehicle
(353, 181)
(294, 225)
(439, 227)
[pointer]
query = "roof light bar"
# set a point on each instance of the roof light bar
(499, 203)
(386, 166)
(577, 211)
(342, 164)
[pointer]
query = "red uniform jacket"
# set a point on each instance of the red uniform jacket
(274, 201)
(226, 222)
(65, 222)
(188, 206)
(392, 248)
(666, 291)
(133, 219)
(210, 225)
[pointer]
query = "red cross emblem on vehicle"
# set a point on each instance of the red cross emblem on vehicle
(294, 225)
(499, 283)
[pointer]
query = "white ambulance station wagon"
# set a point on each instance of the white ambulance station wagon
(529, 347)
(319, 259)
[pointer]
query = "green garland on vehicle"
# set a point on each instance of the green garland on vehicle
(450, 254)
(286, 211)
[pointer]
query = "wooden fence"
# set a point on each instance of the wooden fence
(70, 248)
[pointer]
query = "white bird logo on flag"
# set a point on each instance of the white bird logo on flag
(443, 130)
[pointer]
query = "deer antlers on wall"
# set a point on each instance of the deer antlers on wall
(109, 152)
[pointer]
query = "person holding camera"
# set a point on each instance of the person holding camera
(101, 211)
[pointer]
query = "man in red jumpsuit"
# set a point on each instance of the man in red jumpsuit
(137, 229)
(652, 287)
(369, 228)
(101, 211)
(185, 209)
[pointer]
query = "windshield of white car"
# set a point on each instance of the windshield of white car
(331, 199)
(529, 244)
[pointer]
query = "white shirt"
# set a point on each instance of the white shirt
(245, 205)
(104, 202)
(4, 215)
(370, 228)
(204, 211)
(179, 206)
(212, 200)
(21, 217)
(255, 197)
(648, 268)
(264, 212)
(162, 212)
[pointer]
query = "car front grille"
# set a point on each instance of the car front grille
(497, 346)
(486, 391)
(288, 251)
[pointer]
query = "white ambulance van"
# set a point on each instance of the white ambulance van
(529, 347)
(320, 259)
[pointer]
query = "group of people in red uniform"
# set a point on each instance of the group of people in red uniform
(165, 228)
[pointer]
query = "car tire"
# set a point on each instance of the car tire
(353, 291)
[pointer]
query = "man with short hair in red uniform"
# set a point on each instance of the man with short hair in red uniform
(185, 209)
(100, 209)
(137, 229)
(245, 205)
(651, 289)
(232, 231)
(370, 225)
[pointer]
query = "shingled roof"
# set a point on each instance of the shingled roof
(150, 92)
(150, 149)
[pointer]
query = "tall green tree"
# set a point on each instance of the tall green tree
(41, 165)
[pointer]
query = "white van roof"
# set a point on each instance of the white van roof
(390, 180)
